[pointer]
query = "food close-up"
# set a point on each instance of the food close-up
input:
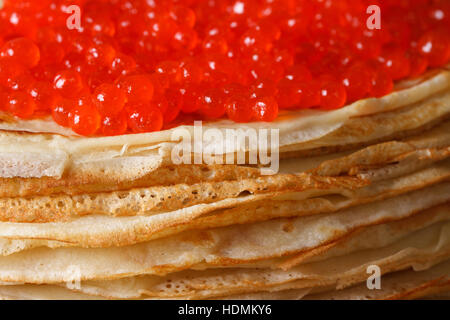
(224, 149)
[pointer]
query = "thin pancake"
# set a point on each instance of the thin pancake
(379, 162)
(406, 284)
(420, 250)
(43, 155)
(213, 248)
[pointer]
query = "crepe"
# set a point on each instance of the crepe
(432, 283)
(286, 205)
(420, 249)
(408, 284)
(371, 164)
(131, 157)
(340, 272)
(240, 244)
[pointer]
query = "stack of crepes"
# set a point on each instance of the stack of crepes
(113, 217)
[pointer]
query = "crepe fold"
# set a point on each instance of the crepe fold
(401, 285)
(313, 175)
(419, 250)
(114, 218)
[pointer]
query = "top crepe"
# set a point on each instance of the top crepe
(27, 154)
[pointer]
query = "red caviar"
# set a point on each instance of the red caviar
(68, 83)
(138, 88)
(145, 118)
(114, 125)
(21, 50)
(140, 66)
(109, 99)
(20, 104)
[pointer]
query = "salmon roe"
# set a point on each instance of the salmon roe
(139, 66)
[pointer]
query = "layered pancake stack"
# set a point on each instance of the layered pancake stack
(114, 218)
(333, 184)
